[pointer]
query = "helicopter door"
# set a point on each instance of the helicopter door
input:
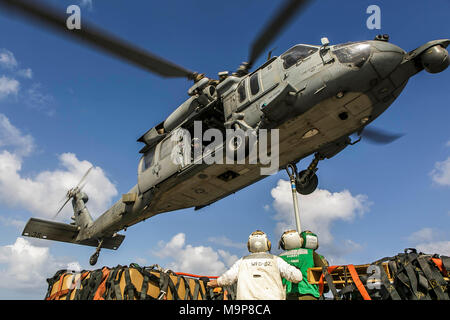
(176, 150)
(147, 176)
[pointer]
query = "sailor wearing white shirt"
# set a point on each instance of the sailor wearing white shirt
(259, 274)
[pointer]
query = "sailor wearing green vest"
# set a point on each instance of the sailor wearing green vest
(299, 252)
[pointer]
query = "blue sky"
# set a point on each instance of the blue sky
(64, 106)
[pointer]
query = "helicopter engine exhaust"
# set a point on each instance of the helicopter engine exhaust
(435, 59)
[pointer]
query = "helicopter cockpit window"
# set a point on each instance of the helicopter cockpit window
(254, 84)
(354, 53)
(148, 159)
(241, 91)
(295, 54)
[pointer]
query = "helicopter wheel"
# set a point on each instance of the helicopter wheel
(93, 259)
(308, 186)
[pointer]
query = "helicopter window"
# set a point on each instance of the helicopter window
(241, 91)
(254, 84)
(148, 159)
(295, 54)
(353, 53)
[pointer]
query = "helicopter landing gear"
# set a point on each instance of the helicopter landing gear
(93, 259)
(306, 181)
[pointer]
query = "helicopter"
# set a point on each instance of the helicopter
(309, 100)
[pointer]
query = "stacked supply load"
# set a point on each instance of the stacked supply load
(406, 276)
(132, 283)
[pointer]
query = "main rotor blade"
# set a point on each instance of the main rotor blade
(379, 136)
(55, 19)
(274, 27)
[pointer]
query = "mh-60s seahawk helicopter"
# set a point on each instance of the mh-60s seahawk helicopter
(317, 96)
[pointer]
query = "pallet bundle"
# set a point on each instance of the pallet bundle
(132, 283)
(406, 276)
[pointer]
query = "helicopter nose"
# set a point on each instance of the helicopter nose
(385, 57)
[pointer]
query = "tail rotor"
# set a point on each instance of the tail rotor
(73, 191)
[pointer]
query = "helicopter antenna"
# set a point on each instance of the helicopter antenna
(269, 55)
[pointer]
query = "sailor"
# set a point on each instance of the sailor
(300, 252)
(259, 275)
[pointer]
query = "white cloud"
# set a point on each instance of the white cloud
(226, 242)
(439, 247)
(34, 96)
(198, 260)
(26, 73)
(12, 222)
(441, 172)
(86, 4)
(25, 267)
(430, 241)
(12, 137)
(8, 86)
(318, 211)
(423, 235)
(42, 193)
(37, 99)
(7, 59)
(228, 258)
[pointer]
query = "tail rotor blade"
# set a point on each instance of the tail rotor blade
(84, 177)
(82, 186)
(60, 209)
(71, 192)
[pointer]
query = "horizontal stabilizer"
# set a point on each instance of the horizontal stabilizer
(63, 232)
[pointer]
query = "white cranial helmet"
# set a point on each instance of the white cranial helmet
(258, 242)
(290, 240)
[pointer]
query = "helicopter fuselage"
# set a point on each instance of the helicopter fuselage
(316, 96)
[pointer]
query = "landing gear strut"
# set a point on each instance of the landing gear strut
(306, 180)
(93, 259)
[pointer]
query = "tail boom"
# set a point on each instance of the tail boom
(62, 232)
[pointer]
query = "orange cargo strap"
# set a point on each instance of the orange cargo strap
(357, 282)
(102, 287)
(438, 263)
(195, 275)
(225, 295)
(59, 292)
(321, 280)
(57, 295)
